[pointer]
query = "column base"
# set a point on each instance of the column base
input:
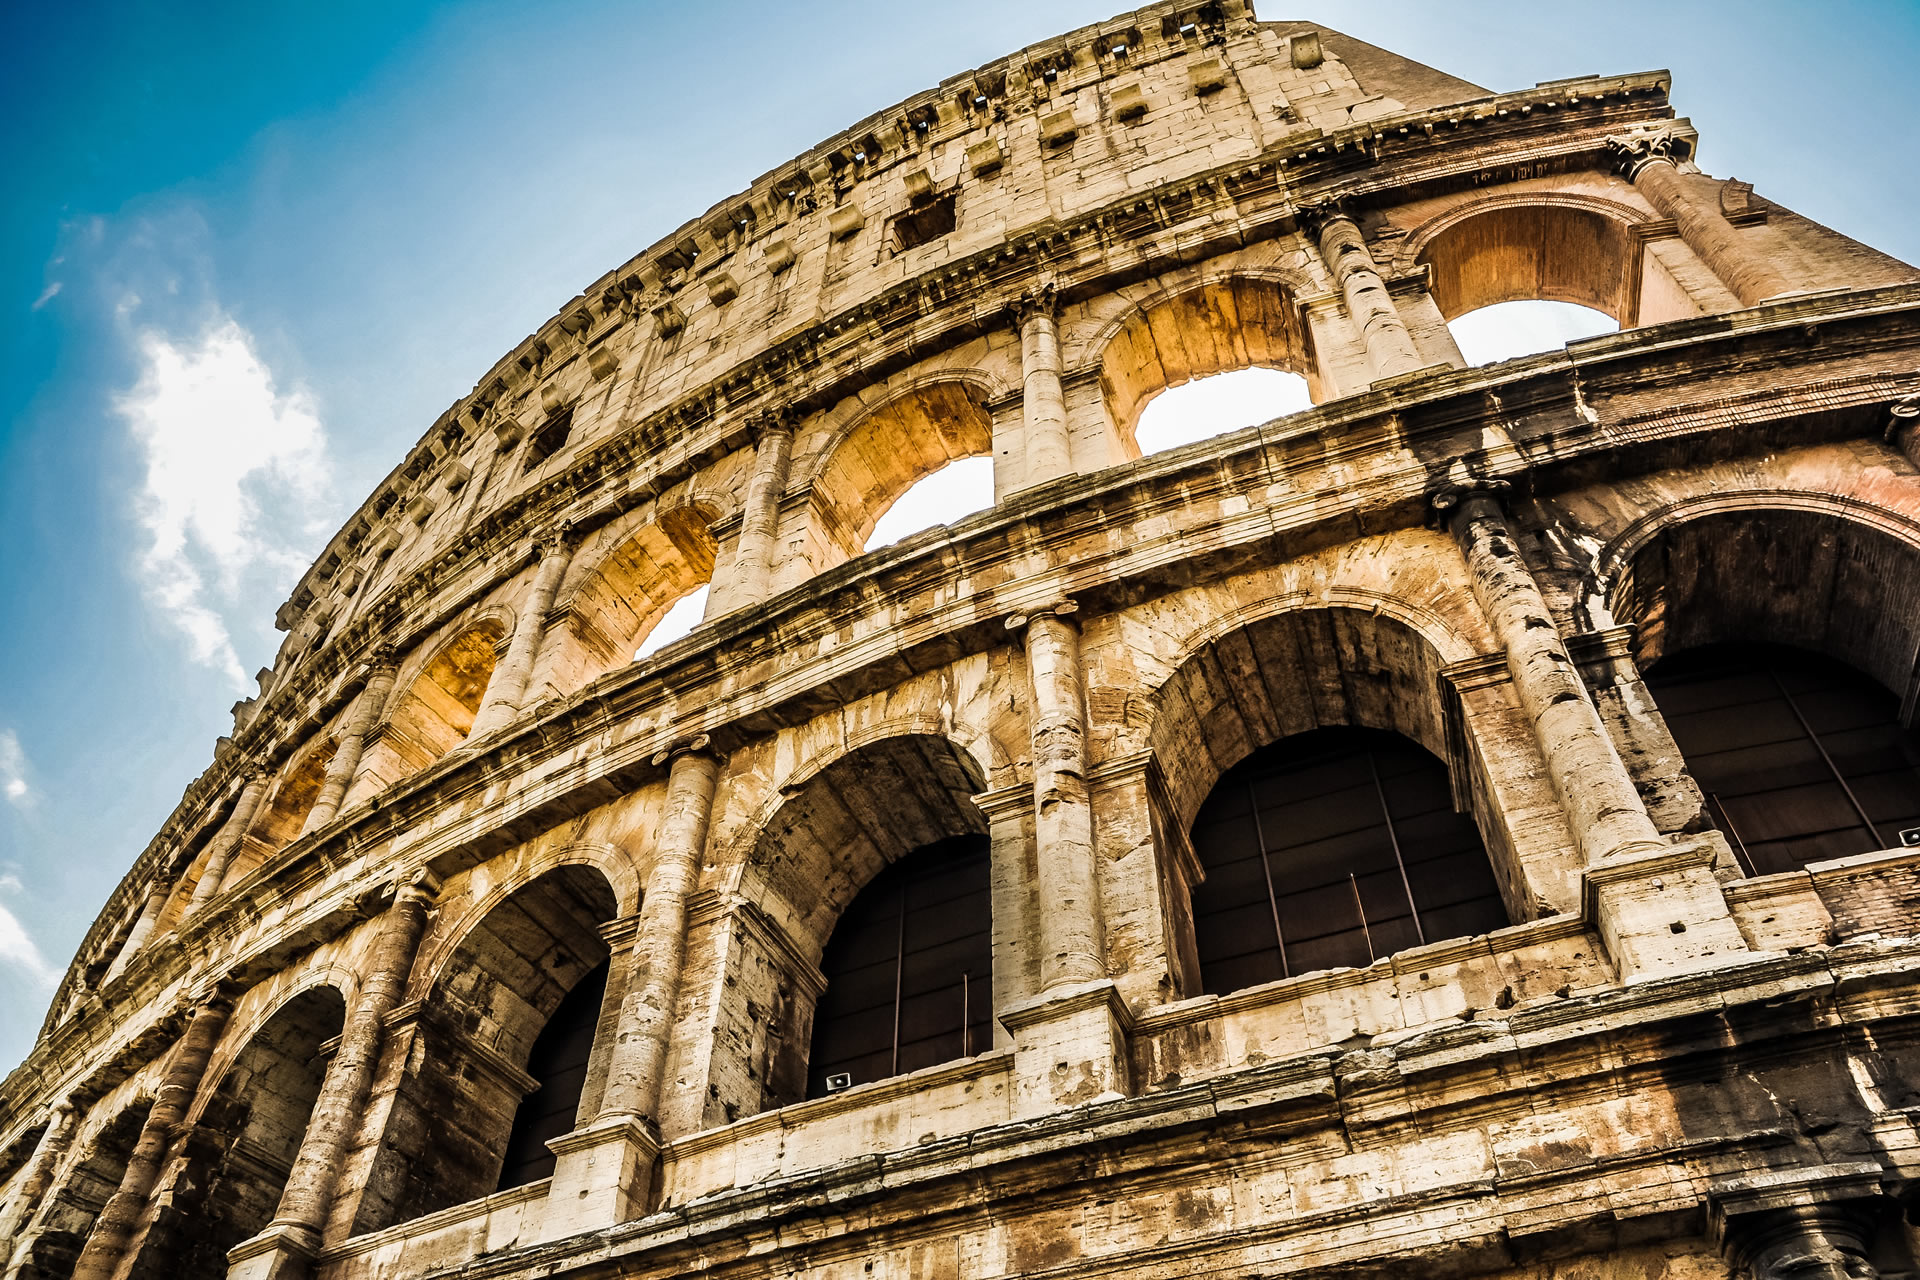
(1069, 1048)
(283, 1251)
(1662, 913)
(601, 1176)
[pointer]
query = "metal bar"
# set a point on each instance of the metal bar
(1821, 748)
(1273, 899)
(1739, 845)
(966, 1015)
(1366, 934)
(1393, 837)
(899, 975)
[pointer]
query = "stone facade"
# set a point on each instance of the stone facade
(295, 1041)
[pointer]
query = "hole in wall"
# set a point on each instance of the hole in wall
(1213, 406)
(686, 614)
(958, 489)
(1509, 330)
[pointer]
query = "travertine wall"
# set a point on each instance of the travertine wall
(300, 1028)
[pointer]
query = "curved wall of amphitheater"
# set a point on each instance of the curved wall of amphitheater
(301, 1038)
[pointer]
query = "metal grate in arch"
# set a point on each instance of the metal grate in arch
(1801, 758)
(909, 970)
(1329, 848)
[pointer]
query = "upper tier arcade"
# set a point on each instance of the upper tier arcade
(482, 934)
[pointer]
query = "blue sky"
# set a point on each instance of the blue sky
(251, 250)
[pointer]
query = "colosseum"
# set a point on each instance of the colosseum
(900, 920)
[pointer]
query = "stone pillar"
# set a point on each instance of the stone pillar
(346, 756)
(226, 840)
(62, 1119)
(1390, 347)
(509, 683)
(1648, 156)
(602, 1173)
(1810, 1222)
(1049, 446)
(1070, 1042)
(752, 569)
(1658, 906)
(157, 896)
(288, 1244)
(114, 1228)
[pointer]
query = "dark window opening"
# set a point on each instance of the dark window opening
(924, 222)
(559, 1062)
(909, 971)
(1801, 758)
(549, 438)
(1333, 848)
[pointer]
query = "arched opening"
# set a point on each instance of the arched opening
(886, 453)
(646, 592)
(832, 836)
(230, 1188)
(1220, 327)
(1801, 758)
(60, 1228)
(686, 613)
(1247, 707)
(1333, 848)
(1553, 252)
(953, 492)
(1510, 330)
(909, 970)
(434, 713)
(280, 818)
(490, 1082)
(1218, 404)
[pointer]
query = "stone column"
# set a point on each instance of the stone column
(1048, 445)
(1390, 347)
(1643, 894)
(1078, 1020)
(752, 569)
(1649, 159)
(114, 1228)
(62, 1119)
(346, 756)
(157, 896)
(290, 1240)
(226, 840)
(602, 1173)
(509, 683)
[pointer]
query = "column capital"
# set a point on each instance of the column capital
(1446, 499)
(1063, 608)
(1646, 144)
(558, 538)
(422, 886)
(1314, 218)
(699, 745)
(1041, 299)
(779, 420)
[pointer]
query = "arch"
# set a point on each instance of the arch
(500, 976)
(864, 467)
(627, 585)
(1823, 572)
(1801, 758)
(830, 829)
(1543, 246)
(60, 1226)
(433, 711)
(1333, 848)
(255, 1118)
(279, 820)
(1293, 663)
(1235, 321)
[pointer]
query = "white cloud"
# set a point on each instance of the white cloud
(47, 295)
(17, 949)
(235, 475)
(13, 775)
